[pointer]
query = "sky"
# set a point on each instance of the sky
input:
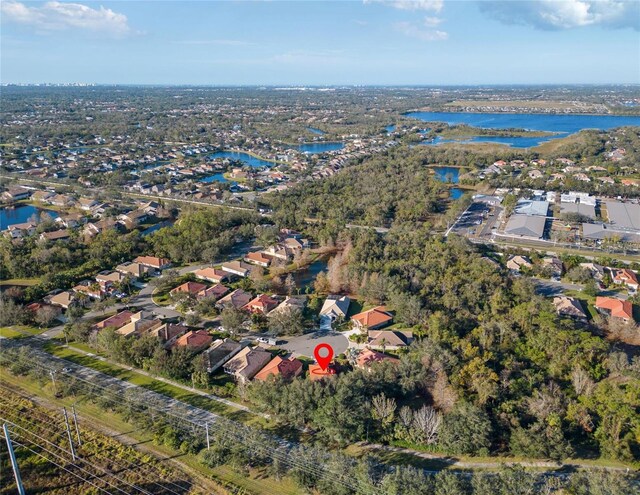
(305, 42)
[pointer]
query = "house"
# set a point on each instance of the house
(37, 306)
(108, 279)
(71, 220)
(368, 357)
(597, 271)
(91, 289)
(153, 262)
(61, 200)
(615, 308)
(389, 339)
(372, 319)
(191, 288)
(335, 307)
(626, 277)
(237, 268)
(569, 306)
(257, 258)
(247, 363)
(279, 251)
(133, 218)
(16, 194)
(554, 264)
(116, 321)
(288, 304)
(20, 230)
(215, 292)
(211, 275)
(167, 333)
(261, 304)
(42, 196)
(134, 269)
(287, 368)
(139, 324)
(92, 229)
(56, 235)
(517, 263)
(295, 244)
(64, 299)
(317, 373)
(220, 352)
(238, 298)
(87, 204)
(194, 340)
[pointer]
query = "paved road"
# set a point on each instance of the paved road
(305, 344)
(553, 288)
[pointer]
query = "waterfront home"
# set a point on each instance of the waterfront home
(57, 235)
(71, 220)
(16, 194)
(20, 230)
(288, 304)
(220, 352)
(42, 196)
(92, 229)
(615, 308)
(247, 363)
(87, 204)
(287, 368)
(372, 319)
(257, 258)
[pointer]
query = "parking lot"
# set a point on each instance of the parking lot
(468, 222)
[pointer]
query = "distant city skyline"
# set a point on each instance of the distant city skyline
(311, 43)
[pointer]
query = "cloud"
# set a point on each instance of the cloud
(57, 16)
(565, 14)
(431, 5)
(423, 31)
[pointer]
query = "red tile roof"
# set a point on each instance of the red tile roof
(287, 368)
(189, 287)
(616, 307)
(317, 373)
(194, 339)
(373, 318)
(116, 321)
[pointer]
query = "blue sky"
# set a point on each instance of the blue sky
(423, 42)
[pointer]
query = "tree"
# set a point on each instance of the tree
(232, 319)
(287, 321)
(290, 284)
(465, 430)
(426, 423)
(45, 316)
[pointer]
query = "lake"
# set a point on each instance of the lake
(219, 177)
(447, 174)
(250, 160)
(21, 214)
(305, 277)
(314, 148)
(562, 124)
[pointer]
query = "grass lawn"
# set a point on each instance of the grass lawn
(25, 282)
(10, 333)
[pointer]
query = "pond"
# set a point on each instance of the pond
(219, 177)
(306, 276)
(21, 214)
(322, 147)
(390, 128)
(156, 227)
(447, 174)
(455, 193)
(248, 159)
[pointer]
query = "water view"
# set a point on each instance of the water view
(21, 214)
(313, 148)
(219, 177)
(248, 159)
(561, 124)
(447, 174)
(455, 193)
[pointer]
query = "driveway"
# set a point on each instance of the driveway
(305, 344)
(553, 288)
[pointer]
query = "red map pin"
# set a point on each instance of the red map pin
(323, 360)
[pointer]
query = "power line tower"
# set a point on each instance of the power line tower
(14, 461)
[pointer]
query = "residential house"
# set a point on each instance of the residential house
(278, 251)
(261, 304)
(63, 299)
(16, 194)
(369, 357)
(212, 275)
(132, 219)
(554, 265)
(61, 200)
(194, 340)
(287, 368)
(190, 288)
(136, 270)
(20, 230)
(389, 339)
(42, 196)
(220, 352)
(626, 277)
(317, 373)
(215, 292)
(517, 263)
(92, 289)
(139, 324)
(92, 229)
(108, 279)
(56, 235)
(257, 258)
(167, 333)
(335, 307)
(118, 320)
(237, 268)
(71, 220)
(153, 262)
(87, 204)
(372, 319)
(597, 271)
(238, 298)
(288, 304)
(615, 308)
(37, 306)
(247, 363)
(569, 306)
